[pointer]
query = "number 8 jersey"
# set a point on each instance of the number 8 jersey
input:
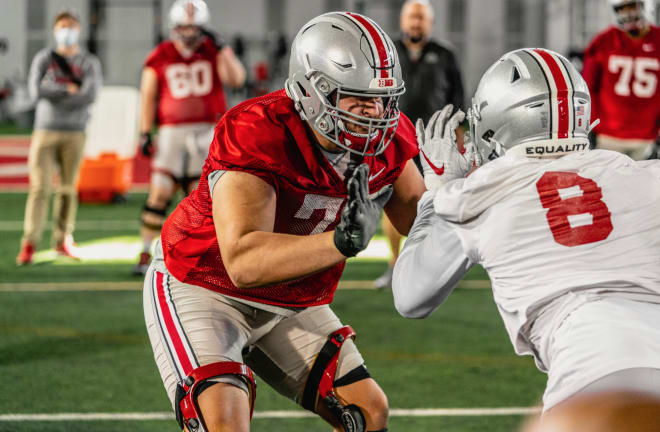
(586, 222)
(189, 88)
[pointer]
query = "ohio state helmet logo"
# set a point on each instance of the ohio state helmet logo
(383, 83)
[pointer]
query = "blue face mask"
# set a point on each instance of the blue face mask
(67, 36)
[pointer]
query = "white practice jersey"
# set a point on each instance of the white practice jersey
(585, 222)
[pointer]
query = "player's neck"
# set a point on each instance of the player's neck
(639, 34)
(184, 50)
(324, 142)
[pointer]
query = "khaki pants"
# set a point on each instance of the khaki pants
(50, 150)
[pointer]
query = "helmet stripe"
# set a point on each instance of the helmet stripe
(552, 104)
(382, 58)
(559, 90)
(571, 94)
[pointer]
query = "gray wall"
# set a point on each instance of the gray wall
(479, 30)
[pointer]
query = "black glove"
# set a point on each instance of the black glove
(217, 41)
(361, 214)
(146, 145)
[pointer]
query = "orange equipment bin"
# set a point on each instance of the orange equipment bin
(106, 172)
(105, 178)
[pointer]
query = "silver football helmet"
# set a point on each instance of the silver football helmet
(630, 14)
(531, 102)
(338, 54)
(189, 12)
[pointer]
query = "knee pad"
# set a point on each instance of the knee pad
(154, 213)
(321, 382)
(187, 411)
(162, 179)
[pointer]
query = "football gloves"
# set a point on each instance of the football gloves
(439, 154)
(146, 144)
(361, 214)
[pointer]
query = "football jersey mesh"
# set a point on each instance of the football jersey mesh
(265, 137)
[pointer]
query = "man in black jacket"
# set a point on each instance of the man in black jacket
(432, 79)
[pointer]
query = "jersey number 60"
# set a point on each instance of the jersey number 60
(572, 202)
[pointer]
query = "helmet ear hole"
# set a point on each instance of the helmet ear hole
(516, 75)
(488, 135)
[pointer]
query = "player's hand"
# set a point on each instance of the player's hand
(441, 159)
(146, 144)
(361, 214)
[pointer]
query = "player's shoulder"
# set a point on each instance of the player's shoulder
(271, 110)
(160, 53)
(260, 125)
(597, 157)
(464, 199)
(404, 143)
(405, 130)
(654, 33)
(603, 40)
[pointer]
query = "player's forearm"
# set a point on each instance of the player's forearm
(148, 100)
(430, 265)
(232, 71)
(402, 207)
(147, 115)
(262, 258)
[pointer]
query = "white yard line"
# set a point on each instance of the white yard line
(15, 151)
(82, 225)
(137, 286)
(14, 169)
(419, 412)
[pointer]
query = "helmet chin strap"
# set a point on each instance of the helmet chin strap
(354, 139)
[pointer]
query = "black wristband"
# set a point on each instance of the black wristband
(344, 243)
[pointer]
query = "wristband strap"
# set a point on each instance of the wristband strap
(344, 242)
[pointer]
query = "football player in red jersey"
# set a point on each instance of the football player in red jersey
(248, 263)
(182, 90)
(622, 70)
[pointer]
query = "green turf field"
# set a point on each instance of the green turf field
(88, 352)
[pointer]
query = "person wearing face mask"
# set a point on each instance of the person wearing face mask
(64, 82)
(432, 79)
(182, 91)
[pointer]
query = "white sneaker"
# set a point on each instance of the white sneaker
(385, 280)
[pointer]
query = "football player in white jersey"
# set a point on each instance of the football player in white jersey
(570, 237)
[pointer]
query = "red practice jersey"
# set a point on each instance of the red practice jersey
(265, 137)
(189, 88)
(623, 76)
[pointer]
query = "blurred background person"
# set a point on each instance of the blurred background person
(622, 70)
(181, 91)
(433, 80)
(607, 411)
(64, 82)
